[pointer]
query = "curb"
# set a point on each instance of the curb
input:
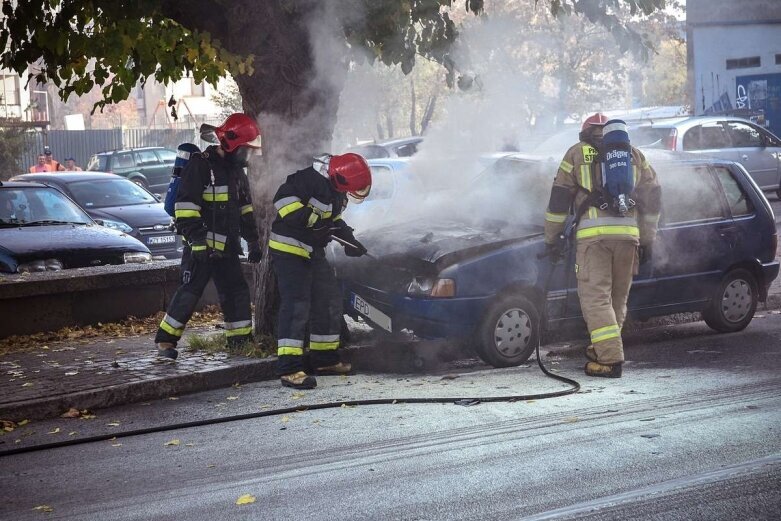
(244, 371)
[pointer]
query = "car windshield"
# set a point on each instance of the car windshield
(109, 192)
(39, 206)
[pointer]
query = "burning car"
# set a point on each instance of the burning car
(476, 272)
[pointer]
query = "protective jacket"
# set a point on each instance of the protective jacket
(308, 211)
(580, 174)
(213, 204)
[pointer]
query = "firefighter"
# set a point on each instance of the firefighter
(611, 240)
(309, 208)
(213, 212)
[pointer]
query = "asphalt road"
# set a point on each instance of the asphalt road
(690, 432)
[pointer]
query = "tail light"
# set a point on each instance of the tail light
(672, 140)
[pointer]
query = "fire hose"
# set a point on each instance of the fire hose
(464, 401)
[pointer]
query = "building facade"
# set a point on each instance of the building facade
(734, 58)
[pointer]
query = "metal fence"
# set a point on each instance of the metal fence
(81, 144)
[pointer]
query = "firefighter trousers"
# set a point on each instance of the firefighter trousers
(310, 300)
(232, 291)
(604, 271)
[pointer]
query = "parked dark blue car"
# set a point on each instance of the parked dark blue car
(469, 277)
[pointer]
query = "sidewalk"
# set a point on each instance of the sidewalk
(100, 372)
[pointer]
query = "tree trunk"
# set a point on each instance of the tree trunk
(296, 121)
(428, 114)
(413, 113)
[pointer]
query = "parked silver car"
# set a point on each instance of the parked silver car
(729, 138)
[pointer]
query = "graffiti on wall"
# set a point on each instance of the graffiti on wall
(760, 96)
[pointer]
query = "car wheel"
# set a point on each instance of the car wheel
(734, 303)
(508, 332)
(140, 182)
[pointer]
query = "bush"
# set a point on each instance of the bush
(13, 145)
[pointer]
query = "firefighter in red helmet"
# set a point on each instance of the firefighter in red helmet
(213, 212)
(614, 233)
(309, 208)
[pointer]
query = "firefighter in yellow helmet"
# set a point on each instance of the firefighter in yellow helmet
(611, 192)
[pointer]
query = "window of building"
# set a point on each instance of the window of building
(197, 88)
(744, 63)
(778, 59)
(10, 89)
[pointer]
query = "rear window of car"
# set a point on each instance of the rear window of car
(98, 163)
(739, 204)
(166, 156)
(689, 194)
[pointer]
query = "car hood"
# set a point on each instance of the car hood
(424, 248)
(39, 241)
(136, 215)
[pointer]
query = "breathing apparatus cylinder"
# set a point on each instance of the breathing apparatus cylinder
(616, 154)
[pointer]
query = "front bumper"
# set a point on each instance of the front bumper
(426, 317)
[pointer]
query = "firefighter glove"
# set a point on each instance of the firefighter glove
(554, 251)
(321, 234)
(645, 253)
(254, 253)
(356, 249)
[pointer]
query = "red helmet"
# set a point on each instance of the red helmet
(350, 173)
(238, 130)
(598, 119)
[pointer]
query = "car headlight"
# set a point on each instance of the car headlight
(40, 265)
(432, 287)
(137, 257)
(115, 225)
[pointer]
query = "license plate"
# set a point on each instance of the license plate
(372, 313)
(162, 239)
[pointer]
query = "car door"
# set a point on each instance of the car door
(755, 152)
(153, 170)
(696, 239)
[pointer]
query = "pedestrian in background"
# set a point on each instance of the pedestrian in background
(309, 208)
(71, 166)
(53, 164)
(612, 239)
(40, 166)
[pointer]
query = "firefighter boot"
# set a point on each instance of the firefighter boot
(167, 350)
(591, 354)
(337, 369)
(299, 380)
(602, 370)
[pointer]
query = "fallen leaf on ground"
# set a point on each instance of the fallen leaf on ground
(232, 398)
(116, 444)
(43, 508)
(71, 413)
(72, 433)
(71, 373)
(113, 424)
(173, 398)
(571, 419)
(189, 444)
(28, 384)
(172, 443)
(55, 431)
(298, 396)
(285, 419)
(246, 499)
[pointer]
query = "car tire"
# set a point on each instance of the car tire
(509, 331)
(734, 303)
(140, 182)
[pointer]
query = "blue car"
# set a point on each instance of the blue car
(476, 272)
